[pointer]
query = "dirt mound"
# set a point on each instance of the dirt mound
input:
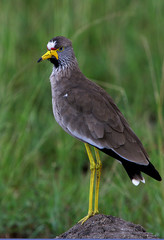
(102, 226)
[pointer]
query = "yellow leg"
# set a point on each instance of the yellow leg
(92, 168)
(98, 174)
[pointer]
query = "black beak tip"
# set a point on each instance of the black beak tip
(40, 59)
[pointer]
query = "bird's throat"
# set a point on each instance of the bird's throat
(55, 62)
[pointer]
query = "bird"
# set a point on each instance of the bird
(87, 112)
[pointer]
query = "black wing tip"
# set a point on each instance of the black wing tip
(152, 172)
(158, 178)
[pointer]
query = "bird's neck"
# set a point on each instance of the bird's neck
(63, 70)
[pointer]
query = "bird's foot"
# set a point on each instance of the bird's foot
(96, 212)
(84, 219)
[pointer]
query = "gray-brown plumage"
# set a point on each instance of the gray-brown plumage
(88, 113)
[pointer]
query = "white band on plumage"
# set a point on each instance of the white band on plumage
(51, 45)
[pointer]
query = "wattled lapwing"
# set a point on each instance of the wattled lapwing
(86, 111)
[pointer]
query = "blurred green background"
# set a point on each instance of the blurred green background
(44, 173)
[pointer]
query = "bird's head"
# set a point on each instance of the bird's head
(60, 52)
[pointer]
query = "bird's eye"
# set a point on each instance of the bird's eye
(61, 49)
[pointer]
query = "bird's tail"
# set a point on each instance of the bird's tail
(134, 172)
(133, 169)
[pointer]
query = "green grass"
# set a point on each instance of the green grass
(44, 173)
